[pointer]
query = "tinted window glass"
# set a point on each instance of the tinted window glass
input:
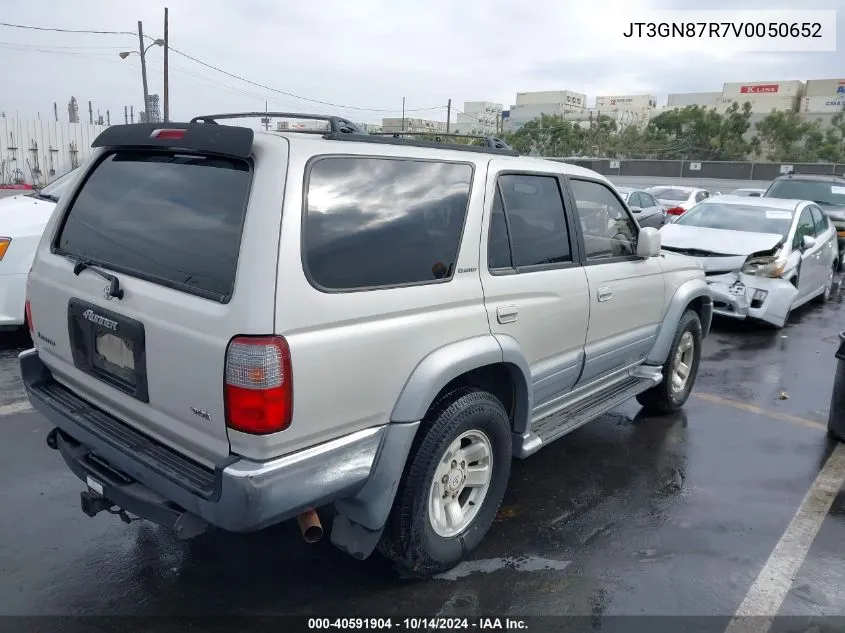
(171, 218)
(738, 217)
(670, 193)
(374, 222)
(815, 190)
(804, 227)
(536, 221)
(819, 220)
(648, 201)
(635, 200)
(701, 195)
(498, 244)
(608, 230)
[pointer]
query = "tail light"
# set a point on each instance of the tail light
(27, 308)
(5, 242)
(27, 313)
(675, 211)
(259, 385)
(173, 134)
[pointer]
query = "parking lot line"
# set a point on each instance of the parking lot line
(761, 411)
(765, 597)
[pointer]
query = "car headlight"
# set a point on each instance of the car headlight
(769, 266)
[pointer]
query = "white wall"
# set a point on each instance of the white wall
(25, 134)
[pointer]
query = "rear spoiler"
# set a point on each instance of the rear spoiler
(226, 140)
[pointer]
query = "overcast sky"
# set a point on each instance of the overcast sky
(365, 53)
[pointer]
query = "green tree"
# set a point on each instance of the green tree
(784, 133)
(549, 135)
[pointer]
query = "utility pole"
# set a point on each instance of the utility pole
(403, 114)
(126, 115)
(448, 115)
(166, 78)
(90, 113)
(108, 118)
(132, 114)
(143, 69)
(55, 111)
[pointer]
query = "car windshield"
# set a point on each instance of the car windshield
(669, 193)
(738, 217)
(816, 190)
(56, 189)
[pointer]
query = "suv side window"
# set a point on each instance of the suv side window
(379, 222)
(805, 226)
(527, 223)
(608, 229)
(819, 220)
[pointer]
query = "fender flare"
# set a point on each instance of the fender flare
(360, 519)
(686, 293)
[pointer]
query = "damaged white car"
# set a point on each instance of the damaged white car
(762, 257)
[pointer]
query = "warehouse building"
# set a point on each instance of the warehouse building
(395, 124)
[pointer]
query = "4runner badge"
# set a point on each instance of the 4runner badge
(90, 315)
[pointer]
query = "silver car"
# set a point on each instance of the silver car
(678, 200)
(763, 257)
(645, 207)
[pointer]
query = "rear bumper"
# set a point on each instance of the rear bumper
(12, 299)
(157, 483)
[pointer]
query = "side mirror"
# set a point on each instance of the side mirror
(648, 243)
(808, 241)
(635, 209)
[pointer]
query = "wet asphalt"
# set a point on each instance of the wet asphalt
(629, 515)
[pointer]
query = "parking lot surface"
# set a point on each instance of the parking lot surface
(628, 515)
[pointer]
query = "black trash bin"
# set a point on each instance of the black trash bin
(836, 415)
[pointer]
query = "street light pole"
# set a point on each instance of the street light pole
(144, 71)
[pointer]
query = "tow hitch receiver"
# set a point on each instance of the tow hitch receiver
(93, 503)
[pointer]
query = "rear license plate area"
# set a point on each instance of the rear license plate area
(109, 347)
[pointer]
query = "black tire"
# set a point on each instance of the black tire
(827, 294)
(409, 539)
(662, 399)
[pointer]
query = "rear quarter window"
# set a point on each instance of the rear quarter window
(169, 218)
(382, 222)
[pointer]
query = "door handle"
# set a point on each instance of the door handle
(605, 294)
(507, 314)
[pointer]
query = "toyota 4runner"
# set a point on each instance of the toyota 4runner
(235, 328)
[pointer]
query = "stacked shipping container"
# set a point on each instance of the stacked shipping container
(824, 96)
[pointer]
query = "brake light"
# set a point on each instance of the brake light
(27, 314)
(4, 246)
(168, 134)
(676, 211)
(259, 385)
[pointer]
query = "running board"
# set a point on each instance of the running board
(577, 414)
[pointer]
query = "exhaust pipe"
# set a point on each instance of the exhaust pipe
(310, 526)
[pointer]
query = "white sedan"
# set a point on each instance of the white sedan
(763, 257)
(23, 218)
(677, 200)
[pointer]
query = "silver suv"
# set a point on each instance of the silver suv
(235, 328)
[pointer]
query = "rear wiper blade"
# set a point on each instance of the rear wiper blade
(47, 196)
(114, 289)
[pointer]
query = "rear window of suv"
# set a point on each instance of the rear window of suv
(818, 191)
(381, 222)
(174, 219)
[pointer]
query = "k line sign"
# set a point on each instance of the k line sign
(759, 89)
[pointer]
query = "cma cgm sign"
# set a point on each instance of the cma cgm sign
(761, 89)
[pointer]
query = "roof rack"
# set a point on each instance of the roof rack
(337, 125)
(489, 145)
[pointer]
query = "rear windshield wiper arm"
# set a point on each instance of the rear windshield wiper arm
(114, 283)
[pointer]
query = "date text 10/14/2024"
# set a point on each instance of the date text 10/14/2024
(417, 624)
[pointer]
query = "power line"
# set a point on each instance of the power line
(220, 70)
